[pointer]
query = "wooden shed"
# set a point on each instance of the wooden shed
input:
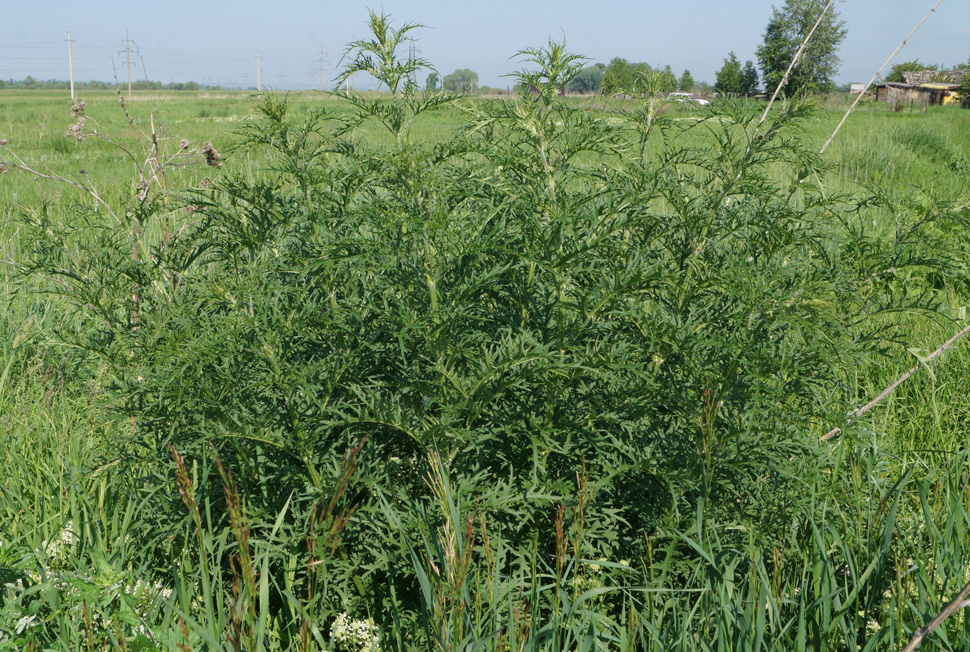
(940, 93)
(896, 92)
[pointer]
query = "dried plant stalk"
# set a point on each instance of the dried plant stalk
(899, 381)
(878, 73)
(959, 602)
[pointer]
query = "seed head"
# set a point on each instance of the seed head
(3, 169)
(212, 156)
(77, 110)
(184, 144)
(3, 142)
(76, 130)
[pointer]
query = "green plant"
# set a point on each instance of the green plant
(379, 57)
(591, 370)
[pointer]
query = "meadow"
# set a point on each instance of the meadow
(424, 372)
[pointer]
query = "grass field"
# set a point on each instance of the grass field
(530, 374)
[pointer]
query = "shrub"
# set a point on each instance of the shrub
(534, 301)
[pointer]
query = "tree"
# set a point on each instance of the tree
(433, 80)
(618, 75)
(461, 81)
(749, 79)
(686, 82)
(728, 79)
(784, 34)
(589, 80)
(621, 76)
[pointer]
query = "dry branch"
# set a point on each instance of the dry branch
(878, 73)
(899, 381)
(956, 604)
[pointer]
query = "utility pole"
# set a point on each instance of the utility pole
(70, 64)
(259, 83)
(128, 54)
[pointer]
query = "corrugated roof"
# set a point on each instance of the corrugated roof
(939, 87)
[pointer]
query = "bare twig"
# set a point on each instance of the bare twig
(878, 74)
(899, 381)
(784, 79)
(955, 605)
(80, 186)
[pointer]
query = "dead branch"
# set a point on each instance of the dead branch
(899, 381)
(955, 605)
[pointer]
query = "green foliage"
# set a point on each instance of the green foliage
(556, 68)
(733, 80)
(896, 72)
(786, 31)
(29, 83)
(668, 81)
(686, 82)
(293, 348)
(462, 80)
(749, 79)
(378, 56)
(433, 81)
(618, 74)
(541, 384)
(588, 80)
(728, 80)
(621, 77)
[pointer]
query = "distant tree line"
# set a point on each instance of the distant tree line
(29, 83)
(617, 77)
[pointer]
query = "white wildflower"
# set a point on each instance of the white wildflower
(348, 635)
(62, 546)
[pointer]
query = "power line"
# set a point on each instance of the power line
(51, 58)
(189, 54)
(30, 47)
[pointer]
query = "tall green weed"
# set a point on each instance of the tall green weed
(567, 358)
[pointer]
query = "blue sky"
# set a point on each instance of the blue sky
(216, 42)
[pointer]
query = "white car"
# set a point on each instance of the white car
(687, 97)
